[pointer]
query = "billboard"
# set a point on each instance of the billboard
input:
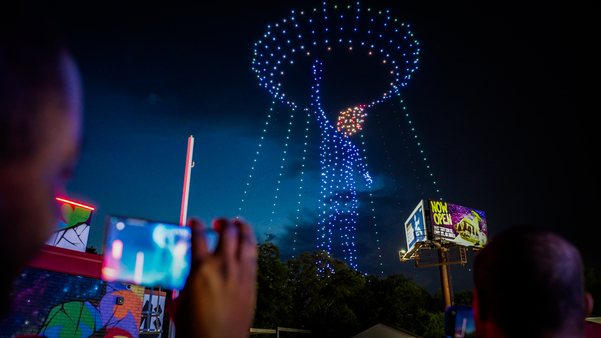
(457, 224)
(74, 225)
(415, 227)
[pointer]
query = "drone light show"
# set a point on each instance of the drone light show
(292, 60)
(350, 120)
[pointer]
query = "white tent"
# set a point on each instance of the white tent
(385, 331)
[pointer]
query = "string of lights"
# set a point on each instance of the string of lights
(311, 35)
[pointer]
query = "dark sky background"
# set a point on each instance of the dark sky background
(502, 102)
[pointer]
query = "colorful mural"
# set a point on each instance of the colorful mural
(72, 319)
(57, 305)
(74, 225)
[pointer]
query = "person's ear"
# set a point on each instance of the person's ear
(589, 304)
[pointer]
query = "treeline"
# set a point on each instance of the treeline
(317, 292)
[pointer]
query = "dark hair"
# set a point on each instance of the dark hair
(31, 52)
(530, 281)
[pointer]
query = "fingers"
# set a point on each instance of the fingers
(247, 252)
(228, 238)
(237, 241)
(199, 241)
(247, 243)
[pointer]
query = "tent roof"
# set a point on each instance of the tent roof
(385, 331)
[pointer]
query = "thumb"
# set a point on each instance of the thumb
(199, 242)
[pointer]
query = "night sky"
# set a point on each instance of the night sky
(502, 104)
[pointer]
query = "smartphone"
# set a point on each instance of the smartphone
(149, 253)
(459, 322)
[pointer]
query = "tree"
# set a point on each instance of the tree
(92, 250)
(401, 300)
(319, 292)
(325, 290)
(274, 294)
(431, 324)
(464, 297)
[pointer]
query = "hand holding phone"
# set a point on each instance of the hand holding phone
(219, 298)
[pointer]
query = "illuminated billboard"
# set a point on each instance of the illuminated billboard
(415, 227)
(74, 225)
(457, 224)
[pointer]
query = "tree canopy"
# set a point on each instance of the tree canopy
(318, 292)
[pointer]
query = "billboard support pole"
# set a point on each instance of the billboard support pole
(445, 278)
(184, 210)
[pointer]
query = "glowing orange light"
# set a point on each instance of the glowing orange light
(75, 203)
(109, 274)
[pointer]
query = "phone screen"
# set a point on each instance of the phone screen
(459, 322)
(147, 253)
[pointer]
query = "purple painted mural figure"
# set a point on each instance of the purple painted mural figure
(117, 314)
(57, 305)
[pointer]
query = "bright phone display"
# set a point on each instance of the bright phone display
(148, 253)
(459, 322)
